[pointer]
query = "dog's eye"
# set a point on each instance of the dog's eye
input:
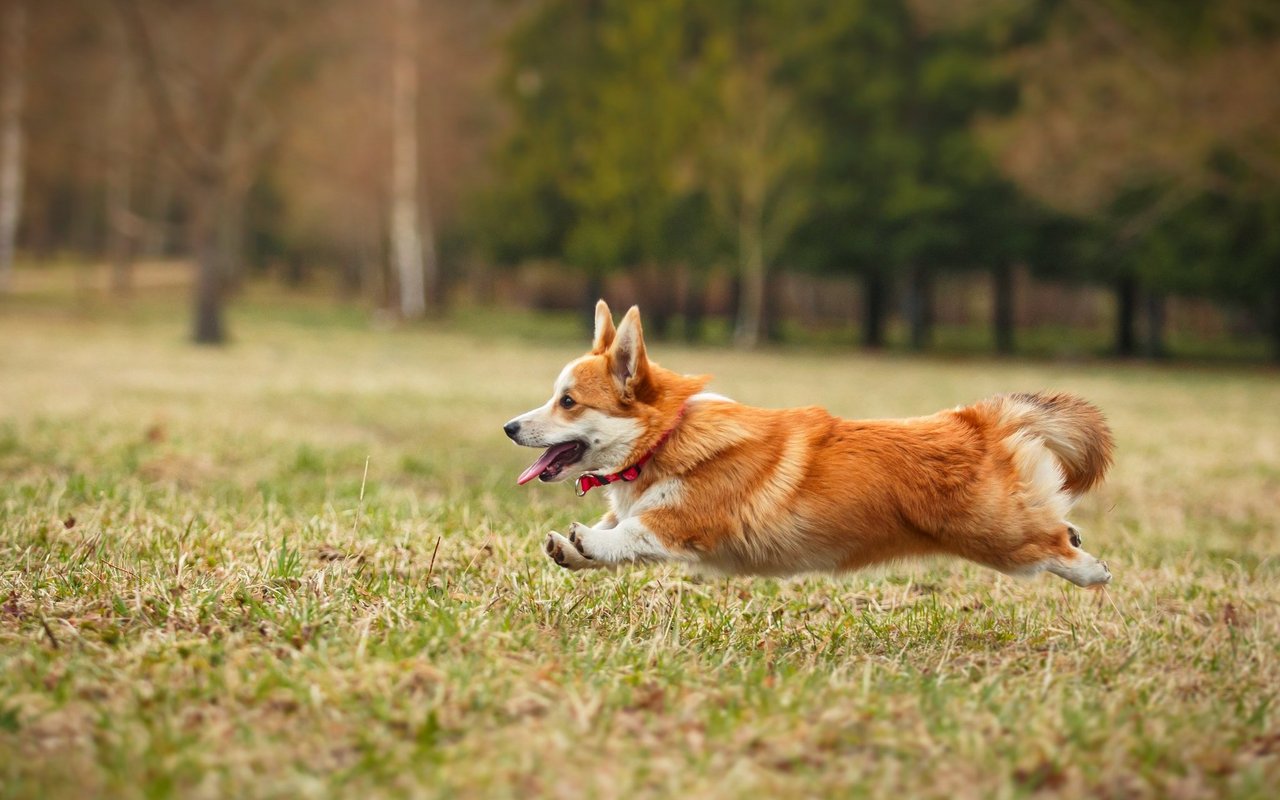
(566, 402)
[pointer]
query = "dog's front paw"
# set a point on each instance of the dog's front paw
(568, 552)
(577, 539)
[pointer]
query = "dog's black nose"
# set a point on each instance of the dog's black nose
(512, 428)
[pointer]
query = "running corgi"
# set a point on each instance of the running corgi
(697, 478)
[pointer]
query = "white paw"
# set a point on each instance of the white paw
(1093, 573)
(566, 551)
(1084, 570)
(1105, 574)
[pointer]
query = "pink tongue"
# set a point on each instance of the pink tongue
(535, 469)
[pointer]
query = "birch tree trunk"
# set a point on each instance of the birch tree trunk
(757, 157)
(406, 233)
(11, 161)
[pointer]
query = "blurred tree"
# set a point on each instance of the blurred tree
(204, 78)
(1000, 229)
(1224, 244)
(836, 58)
(833, 136)
(1124, 102)
(600, 162)
(12, 163)
(527, 212)
(756, 162)
(123, 226)
(413, 246)
(902, 174)
(330, 164)
(632, 155)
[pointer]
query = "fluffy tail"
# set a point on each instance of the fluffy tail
(1074, 431)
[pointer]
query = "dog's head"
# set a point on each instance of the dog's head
(602, 407)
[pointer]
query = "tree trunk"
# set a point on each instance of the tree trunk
(773, 307)
(749, 329)
(349, 286)
(874, 300)
(1126, 289)
(1275, 321)
(734, 298)
(375, 280)
(11, 134)
(295, 271)
(211, 201)
(695, 304)
(920, 307)
(658, 295)
(406, 233)
(206, 134)
(1002, 313)
(1155, 308)
(231, 239)
(85, 214)
(433, 278)
(156, 234)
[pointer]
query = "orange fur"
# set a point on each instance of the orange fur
(763, 491)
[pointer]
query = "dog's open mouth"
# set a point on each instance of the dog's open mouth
(556, 459)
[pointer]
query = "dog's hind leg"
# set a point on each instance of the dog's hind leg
(1083, 570)
(1073, 563)
(1057, 549)
(1079, 567)
(596, 548)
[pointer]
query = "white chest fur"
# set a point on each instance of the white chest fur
(628, 501)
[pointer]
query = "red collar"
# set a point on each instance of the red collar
(587, 482)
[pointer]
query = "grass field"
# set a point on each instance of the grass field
(202, 593)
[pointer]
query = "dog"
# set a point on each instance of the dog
(695, 477)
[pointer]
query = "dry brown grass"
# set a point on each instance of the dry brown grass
(195, 601)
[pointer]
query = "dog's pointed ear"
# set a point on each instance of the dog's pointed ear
(628, 362)
(604, 329)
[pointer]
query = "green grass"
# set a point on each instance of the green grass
(203, 595)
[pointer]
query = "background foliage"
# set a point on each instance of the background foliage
(701, 157)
